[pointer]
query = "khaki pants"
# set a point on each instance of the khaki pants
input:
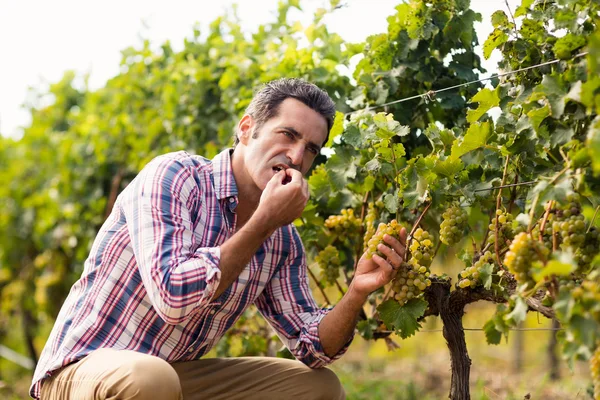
(124, 374)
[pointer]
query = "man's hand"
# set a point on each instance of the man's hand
(283, 199)
(371, 274)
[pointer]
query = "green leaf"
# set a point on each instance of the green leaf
(485, 274)
(318, 183)
(563, 265)
(593, 144)
(366, 327)
(492, 335)
(487, 99)
(497, 38)
(476, 137)
(404, 319)
(499, 19)
(538, 115)
(353, 137)
(567, 44)
(391, 202)
(519, 312)
(336, 129)
(448, 167)
(373, 165)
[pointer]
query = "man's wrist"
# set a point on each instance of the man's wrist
(258, 225)
(355, 296)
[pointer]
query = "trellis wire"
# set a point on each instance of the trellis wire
(433, 92)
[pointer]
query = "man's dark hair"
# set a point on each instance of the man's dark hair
(265, 104)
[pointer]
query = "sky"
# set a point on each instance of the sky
(40, 39)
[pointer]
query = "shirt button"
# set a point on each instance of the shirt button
(231, 199)
(212, 312)
(191, 350)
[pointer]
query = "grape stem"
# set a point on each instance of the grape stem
(545, 220)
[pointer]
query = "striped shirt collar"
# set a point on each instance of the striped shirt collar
(225, 185)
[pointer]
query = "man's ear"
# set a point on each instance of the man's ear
(245, 128)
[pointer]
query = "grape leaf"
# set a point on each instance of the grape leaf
(485, 275)
(476, 137)
(448, 167)
(487, 99)
(496, 39)
(492, 335)
(336, 129)
(519, 311)
(318, 183)
(593, 144)
(404, 319)
(562, 265)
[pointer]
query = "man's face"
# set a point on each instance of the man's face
(292, 139)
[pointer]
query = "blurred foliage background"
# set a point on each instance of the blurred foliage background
(61, 178)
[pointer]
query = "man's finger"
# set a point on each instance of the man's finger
(393, 257)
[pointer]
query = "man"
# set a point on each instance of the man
(191, 243)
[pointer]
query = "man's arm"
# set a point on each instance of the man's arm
(158, 208)
(280, 204)
(337, 327)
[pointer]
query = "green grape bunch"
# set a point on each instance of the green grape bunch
(345, 223)
(471, 276)
(505, 230)
(410, 282)
(523, 252)
(370, 224)
(392, 228)
(571, 223)
(588, 250)
(329, 262)
(421, 249)
(453, 225)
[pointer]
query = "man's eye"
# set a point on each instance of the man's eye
(288, 134)
(313, 150)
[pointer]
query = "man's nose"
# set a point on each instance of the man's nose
(296, 154)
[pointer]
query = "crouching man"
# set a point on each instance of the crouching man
(189, 245)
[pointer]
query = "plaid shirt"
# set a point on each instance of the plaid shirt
(154, 267)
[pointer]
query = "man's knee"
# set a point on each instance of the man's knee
(325, 384)
(150, 378)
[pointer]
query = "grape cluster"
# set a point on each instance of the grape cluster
(413, 276)
(505, 230)
(410, 283)
(589, 249)
(470, 276)
(329, 261)
(523, 252)
(571, 223)
(595, 370)
(370, 224)
(392, 229)
(421, 249)
(344, 222)
(454, 223)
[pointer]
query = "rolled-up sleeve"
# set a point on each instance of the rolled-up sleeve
(289, 306)
(158, 206)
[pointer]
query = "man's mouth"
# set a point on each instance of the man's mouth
(278, 168)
